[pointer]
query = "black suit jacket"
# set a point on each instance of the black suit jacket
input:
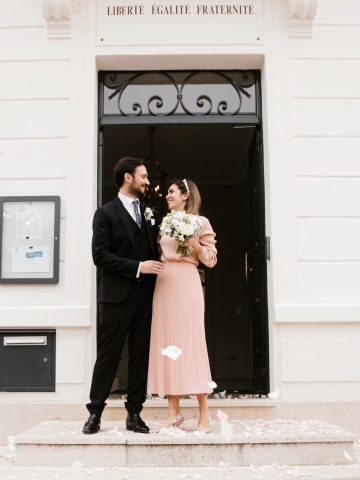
(113, 249)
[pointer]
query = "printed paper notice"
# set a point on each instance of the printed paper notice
(29, 220)
(30, 259)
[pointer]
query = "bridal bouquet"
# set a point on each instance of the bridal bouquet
(181, 226)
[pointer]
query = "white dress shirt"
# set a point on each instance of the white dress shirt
(129, 205)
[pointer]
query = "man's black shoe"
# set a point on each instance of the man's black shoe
(134, 422)
(92, 425)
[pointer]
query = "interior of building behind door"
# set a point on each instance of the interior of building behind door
(216, 157)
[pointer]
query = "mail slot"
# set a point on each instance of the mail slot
(27, 360)
(10, 341)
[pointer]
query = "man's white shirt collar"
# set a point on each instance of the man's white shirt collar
(127, 201)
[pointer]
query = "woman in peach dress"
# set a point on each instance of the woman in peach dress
(178, 314)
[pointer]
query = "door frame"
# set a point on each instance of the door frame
(251, 120)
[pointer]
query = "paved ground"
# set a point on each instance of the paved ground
(347, 472)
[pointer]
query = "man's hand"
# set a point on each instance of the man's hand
(150, 266)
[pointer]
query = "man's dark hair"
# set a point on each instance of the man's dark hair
(126, 165)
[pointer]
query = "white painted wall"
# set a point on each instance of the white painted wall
(311, 99)
(38, 108)
(320, 333)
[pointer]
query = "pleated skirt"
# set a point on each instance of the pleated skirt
(178, 320)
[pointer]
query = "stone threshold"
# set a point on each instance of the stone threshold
(189, 402)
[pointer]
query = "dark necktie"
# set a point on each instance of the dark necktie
(137, 213)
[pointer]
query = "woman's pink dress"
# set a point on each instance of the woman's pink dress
(178, 319)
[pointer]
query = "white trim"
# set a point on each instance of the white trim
(317, 313)
(301, 14)
(49, 317)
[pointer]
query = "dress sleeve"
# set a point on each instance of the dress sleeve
(207, 240)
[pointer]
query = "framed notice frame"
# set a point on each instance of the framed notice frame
(29, 240)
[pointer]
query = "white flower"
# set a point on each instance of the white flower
(148, 213)
(180, 226)
(187, 230)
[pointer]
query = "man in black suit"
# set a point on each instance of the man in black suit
(124, 247)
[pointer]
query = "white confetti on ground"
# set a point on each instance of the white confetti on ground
(347, 456)
(226, 429)
(274, 395)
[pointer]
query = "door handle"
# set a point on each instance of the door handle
(247, 267)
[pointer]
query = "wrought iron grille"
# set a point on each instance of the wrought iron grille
(197, 93)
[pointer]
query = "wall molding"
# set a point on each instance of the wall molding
(47, 316)
(301, 14)
(317, 313)
(57, 14)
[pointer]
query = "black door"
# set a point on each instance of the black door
(255, 269)
(140, 99)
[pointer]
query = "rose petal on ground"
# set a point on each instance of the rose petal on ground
(77, 464)
(172, 352)
(226, 431)
(274, 395)
(212, 384)
(347, 456)
(222, 416)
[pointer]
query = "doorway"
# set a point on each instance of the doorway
(225, 160)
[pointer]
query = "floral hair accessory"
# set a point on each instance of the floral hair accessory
(186, 185)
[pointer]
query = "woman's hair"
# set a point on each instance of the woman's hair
(126, 165)
(193, 202)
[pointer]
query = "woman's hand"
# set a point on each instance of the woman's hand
(195, 246)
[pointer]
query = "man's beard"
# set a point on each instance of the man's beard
(135, 190)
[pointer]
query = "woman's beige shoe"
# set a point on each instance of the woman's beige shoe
(205, 429)
(174, 423)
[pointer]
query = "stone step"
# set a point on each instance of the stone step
(60, 443)
(15, 418)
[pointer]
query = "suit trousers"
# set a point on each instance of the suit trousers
(132, 316)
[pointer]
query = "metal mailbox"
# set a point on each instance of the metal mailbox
(27, 360)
